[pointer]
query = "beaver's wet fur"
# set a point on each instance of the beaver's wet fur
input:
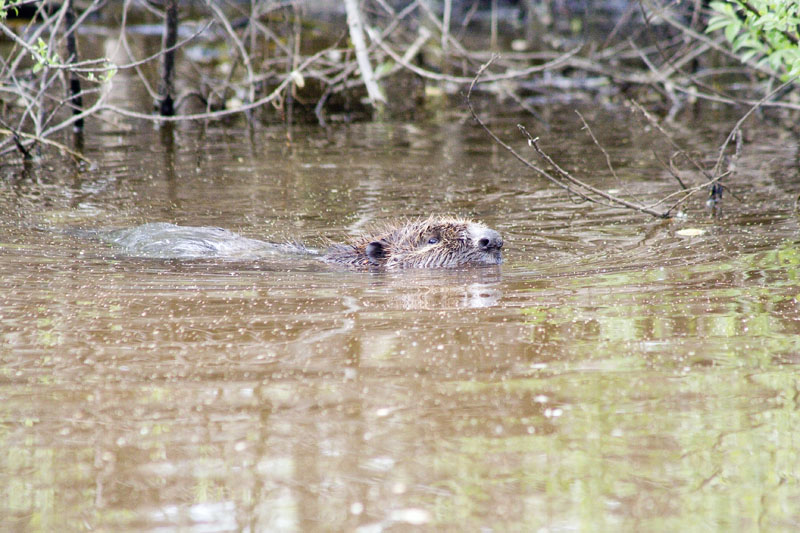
(435, 242)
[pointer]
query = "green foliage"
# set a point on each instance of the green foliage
(763, 29)
(42, 56)
(108, 71)
(6, 5)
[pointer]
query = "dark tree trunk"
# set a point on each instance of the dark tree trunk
(75, 98)
(166, 88)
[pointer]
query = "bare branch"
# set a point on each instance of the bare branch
(43, 140)
(750, 111)
(508, 75)
(672, 143)
(574, 186)
(603, 150)
(513, 152)
(612, 199)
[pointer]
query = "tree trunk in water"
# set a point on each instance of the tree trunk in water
(166, 88)
(75, 98)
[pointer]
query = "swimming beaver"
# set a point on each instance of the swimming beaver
(436, 242)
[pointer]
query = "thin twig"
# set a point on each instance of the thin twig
(671, 167)
(513, 152)
(685, 193)
(600, 146)
(15, 137)
(667, 136)
(507, 75)
(750, 111)
(565, 176)
(690, 192)
(239, 46)
(583, 185)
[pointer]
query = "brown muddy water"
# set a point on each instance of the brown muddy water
(616, 373)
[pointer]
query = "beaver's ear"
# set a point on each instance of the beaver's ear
(375, 251)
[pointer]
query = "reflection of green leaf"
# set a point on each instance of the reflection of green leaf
(630, 437)
(535, 314)
(738, 324)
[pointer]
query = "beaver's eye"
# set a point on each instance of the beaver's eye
(433, 240)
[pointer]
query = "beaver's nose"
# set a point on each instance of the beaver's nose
(490, 240)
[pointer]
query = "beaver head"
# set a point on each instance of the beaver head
(436, 242)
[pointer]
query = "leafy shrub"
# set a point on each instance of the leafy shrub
(765, 30)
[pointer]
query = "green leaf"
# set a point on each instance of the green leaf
(747, 56)
(723, 7)
(716, 22)
(732, 30)
(775, 61)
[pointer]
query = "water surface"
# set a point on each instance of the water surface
(615, 373)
